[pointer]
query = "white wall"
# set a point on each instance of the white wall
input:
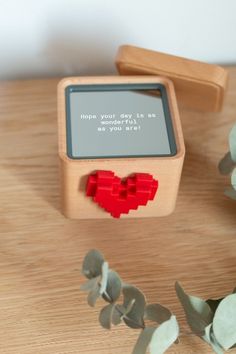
(64, 37)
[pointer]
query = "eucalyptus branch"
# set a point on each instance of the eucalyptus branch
(134, 310)
(213, 320)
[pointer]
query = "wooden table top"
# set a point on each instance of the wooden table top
(42, 310)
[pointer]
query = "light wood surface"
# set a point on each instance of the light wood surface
(199, 86)
(74, 173)
(42, 310)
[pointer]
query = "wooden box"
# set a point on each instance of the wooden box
(152, 156)
(121, 146)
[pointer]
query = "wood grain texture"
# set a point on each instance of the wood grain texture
(42, 310)
(74, 173)
(198, 85)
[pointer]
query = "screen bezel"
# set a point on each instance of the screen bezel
(120, 87)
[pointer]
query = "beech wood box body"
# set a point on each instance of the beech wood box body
(74, 172)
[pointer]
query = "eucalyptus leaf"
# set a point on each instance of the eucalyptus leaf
(104, 279)
(118, 312)
(157, 313)
(214, 303)
(206, 335)
(164, 336)
(90, 284)
(210, 339)
(215, 345)
(93, 295)
(224, 322)
(232, 142)
(113, 287)
(134, 319)
(92, 264)
(231, 193)
(226, 165)
(198, 312)
(233, 179)
(143, 341)
(105, 317)
(129, 307)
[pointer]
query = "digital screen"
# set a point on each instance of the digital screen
(120, 120)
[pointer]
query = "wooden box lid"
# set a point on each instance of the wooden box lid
(198, 85)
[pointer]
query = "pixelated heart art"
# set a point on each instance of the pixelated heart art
(118, 196)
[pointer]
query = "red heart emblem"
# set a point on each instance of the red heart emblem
(118, 196)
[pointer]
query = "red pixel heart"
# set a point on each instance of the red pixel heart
(118, 196)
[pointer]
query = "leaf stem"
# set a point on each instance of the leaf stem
(107, 296)
(121, 313)
(130, 319)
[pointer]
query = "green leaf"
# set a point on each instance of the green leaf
(134, 319)
(129, 307)
(113, 288)
(210, 339)
(214, 303)
(93, 296)
(224, 322)
(92, 264)
(226, 165)
(143, 341)
(105, 317)
(117, 314)
(90, 284)
(164, 336)
(198, 312)
(233, 179)
(157, 313)
(104, 279)
(120, 312)
(231, 193)
(232, 142)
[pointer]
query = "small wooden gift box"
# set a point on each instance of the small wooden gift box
(121, 146)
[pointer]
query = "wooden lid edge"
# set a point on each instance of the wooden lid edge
(125, 56)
